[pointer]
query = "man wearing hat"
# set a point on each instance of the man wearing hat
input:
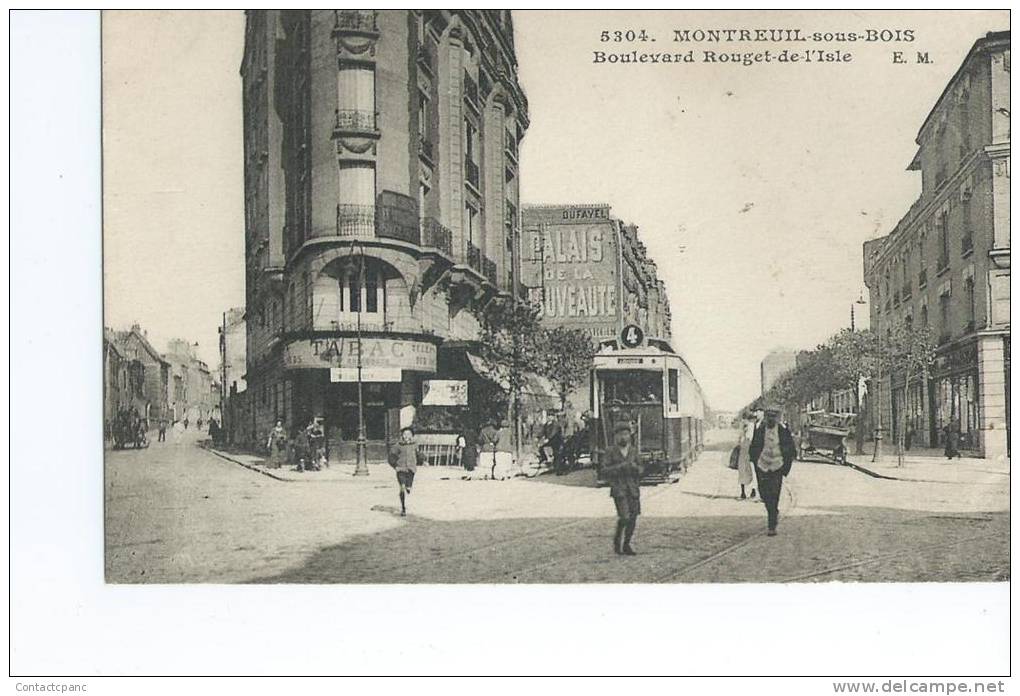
(405, 456)
(772, 452)
(621, 468)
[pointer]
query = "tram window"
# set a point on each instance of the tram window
(674, 389)
(634, 388)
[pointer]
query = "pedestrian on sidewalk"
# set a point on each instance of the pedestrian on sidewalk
(488, 443)
(162, 430)
(621, 468)
(952, 435)
(299, 450)
(772, 452)
(277, 445)
(405, 457)
(745, 471)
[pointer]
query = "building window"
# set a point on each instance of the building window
(423, 198)
(924, 315)
(356, 98)
(967, 240)
(355, 298)
(423, 115)
(968, 287)
(471, 153)
(944, 317)
(470, 222)
(357, 184)
(943, 241)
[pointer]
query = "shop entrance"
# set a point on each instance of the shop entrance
(378, 399)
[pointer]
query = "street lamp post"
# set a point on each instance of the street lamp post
(859, 436)
(360, 461)
(878, 387)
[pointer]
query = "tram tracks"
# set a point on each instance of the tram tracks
(886, 557)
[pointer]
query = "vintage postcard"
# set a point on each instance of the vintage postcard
(493, 296)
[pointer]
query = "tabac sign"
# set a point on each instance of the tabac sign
(325, 353)
(570, 262)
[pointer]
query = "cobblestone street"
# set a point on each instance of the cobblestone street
(179, 513)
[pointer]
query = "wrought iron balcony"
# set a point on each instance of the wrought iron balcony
(355, 220)
(424, 57)
(489, 269)
(474, 257)
(967, 244)
(401, 224)
(355, 121)
(383, 221)
(425, 148)
(471, 173)
(434, 234)
(471, 92)
(510, 145)
(355, 21)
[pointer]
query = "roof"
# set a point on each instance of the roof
(121, 337)
(980, 45)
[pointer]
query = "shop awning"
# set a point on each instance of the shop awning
(538, 392)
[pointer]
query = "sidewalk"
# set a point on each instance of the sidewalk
(345, 471)
(929, 465)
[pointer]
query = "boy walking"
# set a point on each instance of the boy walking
(405, 456)
(621, 468)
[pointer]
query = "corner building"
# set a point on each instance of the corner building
(381, 192)
(946, 263)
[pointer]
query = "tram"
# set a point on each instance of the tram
(652, 389)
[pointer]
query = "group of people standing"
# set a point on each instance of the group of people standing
(307, 449)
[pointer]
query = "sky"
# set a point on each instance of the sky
(753, 186)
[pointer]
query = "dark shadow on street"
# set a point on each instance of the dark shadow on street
(847, 544)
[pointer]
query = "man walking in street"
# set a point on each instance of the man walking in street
(162, 430)
(621, 468)
(552, 442)
(488, 443)
(405, 456)
(772, 452)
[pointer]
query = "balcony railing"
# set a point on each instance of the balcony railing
(474, 257)
(434, 234)
(471, 92)
(510, 145)
(425, 148)
(922, 279)
(392, 222)
(967, 244)
(424, 57)
(471, 173)
(384, 221)
(354, 121)
(355, 20)
(489, 269)
(355, 220)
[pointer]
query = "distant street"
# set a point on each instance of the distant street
(178, 513)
